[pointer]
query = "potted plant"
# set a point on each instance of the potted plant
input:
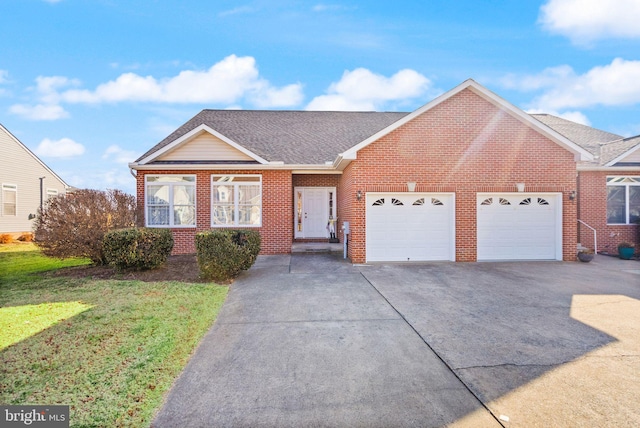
(625, 250)
(586, 255)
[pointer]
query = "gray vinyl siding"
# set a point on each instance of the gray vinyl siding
(20, 167)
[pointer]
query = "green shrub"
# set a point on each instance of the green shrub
(224, 253)
(138, 248)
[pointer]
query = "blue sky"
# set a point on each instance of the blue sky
(89, 85)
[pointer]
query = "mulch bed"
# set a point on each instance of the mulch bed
(183, 268)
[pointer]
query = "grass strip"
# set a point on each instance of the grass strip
(112, 361)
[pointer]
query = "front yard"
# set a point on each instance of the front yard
(109, 348)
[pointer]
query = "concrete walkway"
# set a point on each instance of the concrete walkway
(311, 340)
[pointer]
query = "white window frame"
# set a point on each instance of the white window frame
(627, 185)
(51, 193)
(236, 198)
(171, 185)
(10, 188)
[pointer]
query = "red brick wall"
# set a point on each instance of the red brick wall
(463, 145)
(592, 196)
(277, 220)
(316, 180)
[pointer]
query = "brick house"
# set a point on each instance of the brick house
(466, 177)
(608, 186)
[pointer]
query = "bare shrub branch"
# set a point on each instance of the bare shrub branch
(73, 225)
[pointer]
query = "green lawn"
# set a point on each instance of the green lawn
(110, 349)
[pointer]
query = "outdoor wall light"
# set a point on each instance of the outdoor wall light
(411, 185)
(520, 187)
(359, 194)
(572, 195)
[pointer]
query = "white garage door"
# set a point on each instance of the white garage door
(410, 226)
(519, 226)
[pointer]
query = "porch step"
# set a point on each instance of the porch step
(315, 247)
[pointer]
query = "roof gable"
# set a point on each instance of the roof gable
(207, 143)
(622, 152)
(579, 152)
(30, 154)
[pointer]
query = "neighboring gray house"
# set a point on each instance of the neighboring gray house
(25, 183)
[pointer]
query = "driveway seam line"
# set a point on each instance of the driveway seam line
(435, 353)
(310, 321)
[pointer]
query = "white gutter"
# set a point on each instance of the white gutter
(607, 168)
(308, 168)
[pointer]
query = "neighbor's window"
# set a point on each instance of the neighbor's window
(170, 200)
(236, 200)
(9, 199)
(623, 200)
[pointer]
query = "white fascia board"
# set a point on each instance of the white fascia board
(192, 134)
(309, 168)
(608, 168)
(33, 155)
(624, 155)
(581, 154)
(342, 161)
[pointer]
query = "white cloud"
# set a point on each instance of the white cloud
(574, 116)
(615, 84)
(39, 111)
(48, 87)
(228, 81)
(269, 96)
(63, 148)
(584, 21)
(237, 11)
(324, 7)
(364, 90)
(4, 76)
(117, 154)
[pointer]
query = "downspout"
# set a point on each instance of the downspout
(578, 204)
(41, 193)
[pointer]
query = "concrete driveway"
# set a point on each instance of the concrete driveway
(310, 340)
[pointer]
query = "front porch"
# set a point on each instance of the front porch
(316, 247)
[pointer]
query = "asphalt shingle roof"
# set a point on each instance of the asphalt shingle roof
(316, 137)
(585, 136)
(612, 150)
(293, 137)
(605, 146)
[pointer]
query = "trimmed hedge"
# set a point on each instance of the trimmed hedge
(224, 253)
(138, 248)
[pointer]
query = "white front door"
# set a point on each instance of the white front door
(313, 206)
